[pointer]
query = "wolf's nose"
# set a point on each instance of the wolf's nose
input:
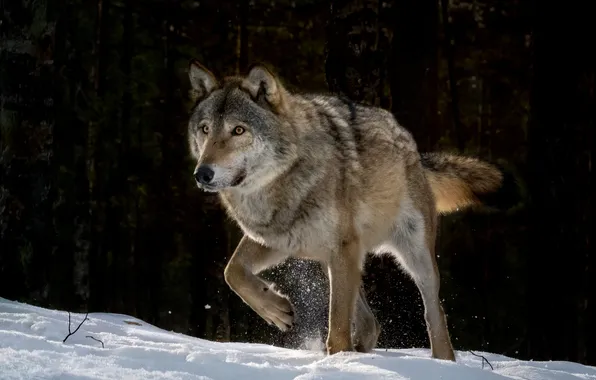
(204, 175)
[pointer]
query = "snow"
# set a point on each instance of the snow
(31, 348)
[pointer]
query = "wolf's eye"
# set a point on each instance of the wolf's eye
(205, 129)
(238, 131)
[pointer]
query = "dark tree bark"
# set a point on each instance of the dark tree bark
(561, 263)
(127, 246)
(242, 43)
(414, 69)
(98, 298)
(357, 43)
(449, 46)
(65, 282)
(26, 149)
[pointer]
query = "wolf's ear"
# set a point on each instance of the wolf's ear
(264, 86)
(203, 82)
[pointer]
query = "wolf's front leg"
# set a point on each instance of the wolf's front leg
(344, 282)
(250, 258)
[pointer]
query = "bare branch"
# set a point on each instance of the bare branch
(483, 360)
(97, 340)
(78, 327)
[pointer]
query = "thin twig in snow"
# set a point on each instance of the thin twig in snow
(97, 340)
(78, 327)
(483, 360)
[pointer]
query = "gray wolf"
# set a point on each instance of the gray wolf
(320, 178)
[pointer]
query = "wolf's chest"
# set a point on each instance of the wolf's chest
(282, 226)
(255, 213)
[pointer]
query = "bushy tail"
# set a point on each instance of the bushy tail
(458, 182)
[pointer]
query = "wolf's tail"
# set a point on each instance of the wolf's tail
(458, 182)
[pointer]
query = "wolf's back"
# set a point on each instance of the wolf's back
(458, 182)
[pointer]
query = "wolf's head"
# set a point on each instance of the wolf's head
(238, 131)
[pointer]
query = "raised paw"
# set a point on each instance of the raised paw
(276, 309)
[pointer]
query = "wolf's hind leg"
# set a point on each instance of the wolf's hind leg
(249, 258)
(415, 253)
(366, 327)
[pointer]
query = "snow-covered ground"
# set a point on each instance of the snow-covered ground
(31, 348)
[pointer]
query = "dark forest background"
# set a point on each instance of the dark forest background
(99, 210)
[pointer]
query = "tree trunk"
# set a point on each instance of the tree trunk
(449, 46)
(357, 43)
(98, 297)
(561, 142)
(66, 286)
(242, 42)
(27, 118)
(127, 260)
(414, 65)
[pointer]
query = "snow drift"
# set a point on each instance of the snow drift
(31, 347)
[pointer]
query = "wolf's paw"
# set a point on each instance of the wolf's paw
(365, 333)
(276, 309)
(333, 349)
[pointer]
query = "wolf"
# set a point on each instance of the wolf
(319, 177)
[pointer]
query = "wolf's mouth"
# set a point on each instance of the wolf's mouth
(241, 177)
(214, 188)
(208, 188)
